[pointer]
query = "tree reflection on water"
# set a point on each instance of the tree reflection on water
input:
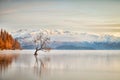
(40, 65)
(6, 61)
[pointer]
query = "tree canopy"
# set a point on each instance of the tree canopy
(7, 41)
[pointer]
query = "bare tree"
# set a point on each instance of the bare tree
(41, 42)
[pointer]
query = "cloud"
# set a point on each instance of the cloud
(63, 14)
(106, 25)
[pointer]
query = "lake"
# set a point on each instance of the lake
(60, 65)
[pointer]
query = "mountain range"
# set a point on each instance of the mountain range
(69, 40)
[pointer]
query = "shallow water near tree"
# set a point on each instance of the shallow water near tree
(60, 65)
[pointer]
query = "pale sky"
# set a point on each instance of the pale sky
(75, 15)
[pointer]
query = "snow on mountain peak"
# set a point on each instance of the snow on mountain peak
(66, 36)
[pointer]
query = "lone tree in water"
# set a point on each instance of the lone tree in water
(41, 42)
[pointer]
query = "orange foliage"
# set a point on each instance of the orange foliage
(7, 41)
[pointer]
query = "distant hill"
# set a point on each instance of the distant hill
(89, 46)
(73, 47)
(80, 46)
(7, 41)
(61, 39)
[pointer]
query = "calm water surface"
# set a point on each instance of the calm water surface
(60, 65)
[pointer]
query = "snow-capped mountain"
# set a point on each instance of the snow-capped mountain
(61, 39)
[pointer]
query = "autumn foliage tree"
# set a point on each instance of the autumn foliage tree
(7, 41)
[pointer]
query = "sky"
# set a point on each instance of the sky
(99, 16)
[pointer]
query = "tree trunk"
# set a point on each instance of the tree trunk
(36, 52)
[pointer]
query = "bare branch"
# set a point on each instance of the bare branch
(41, 42)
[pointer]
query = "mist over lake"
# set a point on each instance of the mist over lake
(62, 65)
